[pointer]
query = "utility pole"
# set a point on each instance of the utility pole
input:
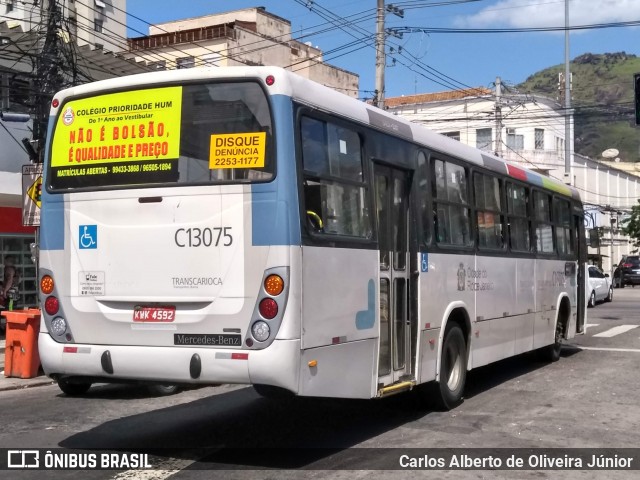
(49, 69)
(498, 148)
(567, 99)
(381, 56)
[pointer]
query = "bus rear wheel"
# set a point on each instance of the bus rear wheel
(551, 353)
(162, 390)
(453, 369)
(73, 388)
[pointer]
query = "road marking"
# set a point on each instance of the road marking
(589, 325)
(604, 349)
(612, 332)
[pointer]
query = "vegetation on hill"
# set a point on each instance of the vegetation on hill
(602, 97)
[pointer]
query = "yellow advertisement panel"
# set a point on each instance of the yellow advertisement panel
(237, 150)
(119, 127)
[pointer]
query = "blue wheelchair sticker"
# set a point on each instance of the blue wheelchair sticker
(424, 262)
(88, 236)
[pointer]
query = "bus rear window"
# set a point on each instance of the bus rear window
(194, 134)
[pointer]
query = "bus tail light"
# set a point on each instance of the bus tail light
(268, 312)
(46, 284)
(260, 330)
(58, 326)
(274, 285)
(268, 308)
(51, 305)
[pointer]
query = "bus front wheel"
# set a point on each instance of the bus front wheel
(453, 369)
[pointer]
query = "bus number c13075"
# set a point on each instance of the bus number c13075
(203, 237)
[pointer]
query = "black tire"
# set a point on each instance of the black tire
(551, 353)
(163, 390)
(453, 369)
(592, 300)
(610, 296)
(73, 388)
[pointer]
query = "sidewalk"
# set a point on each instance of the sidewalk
(10, 383)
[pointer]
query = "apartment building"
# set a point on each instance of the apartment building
(249, 36)
(100, 24)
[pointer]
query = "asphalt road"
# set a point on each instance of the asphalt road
(589, 399)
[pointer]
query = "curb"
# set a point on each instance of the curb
(23, 383)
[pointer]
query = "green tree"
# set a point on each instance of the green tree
(631, 225)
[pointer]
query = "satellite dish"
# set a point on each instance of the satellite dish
(610, 153)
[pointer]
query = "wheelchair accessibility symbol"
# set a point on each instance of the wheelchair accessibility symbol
(88, 236)
(424, 262)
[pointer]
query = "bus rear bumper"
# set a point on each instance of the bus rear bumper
(276, 365)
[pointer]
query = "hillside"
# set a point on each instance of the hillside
(602, 97)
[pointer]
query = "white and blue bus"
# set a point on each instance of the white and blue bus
(246, 225)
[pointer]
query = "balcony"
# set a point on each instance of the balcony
(183, 36)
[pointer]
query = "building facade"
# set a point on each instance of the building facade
(530, 131)
(100, 24)
(249, 36)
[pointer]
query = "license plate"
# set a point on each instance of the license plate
(154, 314)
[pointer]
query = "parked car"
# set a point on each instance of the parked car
(627, 272)
(600, 288)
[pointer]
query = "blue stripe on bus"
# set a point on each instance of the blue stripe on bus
(274, 205)
(52, 213)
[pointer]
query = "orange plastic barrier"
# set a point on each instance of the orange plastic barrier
(21, 351)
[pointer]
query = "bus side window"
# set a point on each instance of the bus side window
(314, 146)
(451, 212)
(335, 193)
(440, 225)
(423, 205)
(313, 205)
(544, 229)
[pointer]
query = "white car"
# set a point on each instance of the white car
(600, 288)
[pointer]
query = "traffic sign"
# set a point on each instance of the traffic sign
(31, 194)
